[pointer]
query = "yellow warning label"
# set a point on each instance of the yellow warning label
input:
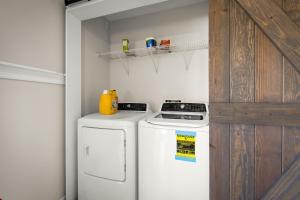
(185, 141)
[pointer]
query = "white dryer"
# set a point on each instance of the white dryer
(174, 153)
(107, 154)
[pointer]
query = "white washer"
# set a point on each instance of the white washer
(174, 153)
(107, 154)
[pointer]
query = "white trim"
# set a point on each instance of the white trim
(73, 101)
(28, 73)
(63, 198)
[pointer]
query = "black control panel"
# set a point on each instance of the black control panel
(132, 106)
(184, 107)
(68, 2)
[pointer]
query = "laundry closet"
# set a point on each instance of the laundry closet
(95, 60)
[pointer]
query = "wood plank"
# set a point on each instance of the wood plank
(279, 2)
(268, 70)
(277, 25)
(291, 84)
(267, 158)
(255, 113)
(268, 88)
(291, 137)
(219, 161)
(288, 186)
(291, 78)
(219, 50)
(242, 55)
(292, 8)
(291, 145)
(241, 90)
(219, 92)
(242, 162)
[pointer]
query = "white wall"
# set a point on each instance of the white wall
(32, 33)
(95, 70)
(31, 141)
(32, 114)
(172, 81)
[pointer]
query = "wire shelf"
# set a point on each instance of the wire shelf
(155, 52)
(140, 52)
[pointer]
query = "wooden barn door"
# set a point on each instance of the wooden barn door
(254, 95)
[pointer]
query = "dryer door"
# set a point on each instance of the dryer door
(104, 153)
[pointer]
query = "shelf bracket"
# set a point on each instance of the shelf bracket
(155, 60)
(187, 58)
(125, 63)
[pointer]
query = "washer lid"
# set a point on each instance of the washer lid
(179, 116)
(181, 119)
